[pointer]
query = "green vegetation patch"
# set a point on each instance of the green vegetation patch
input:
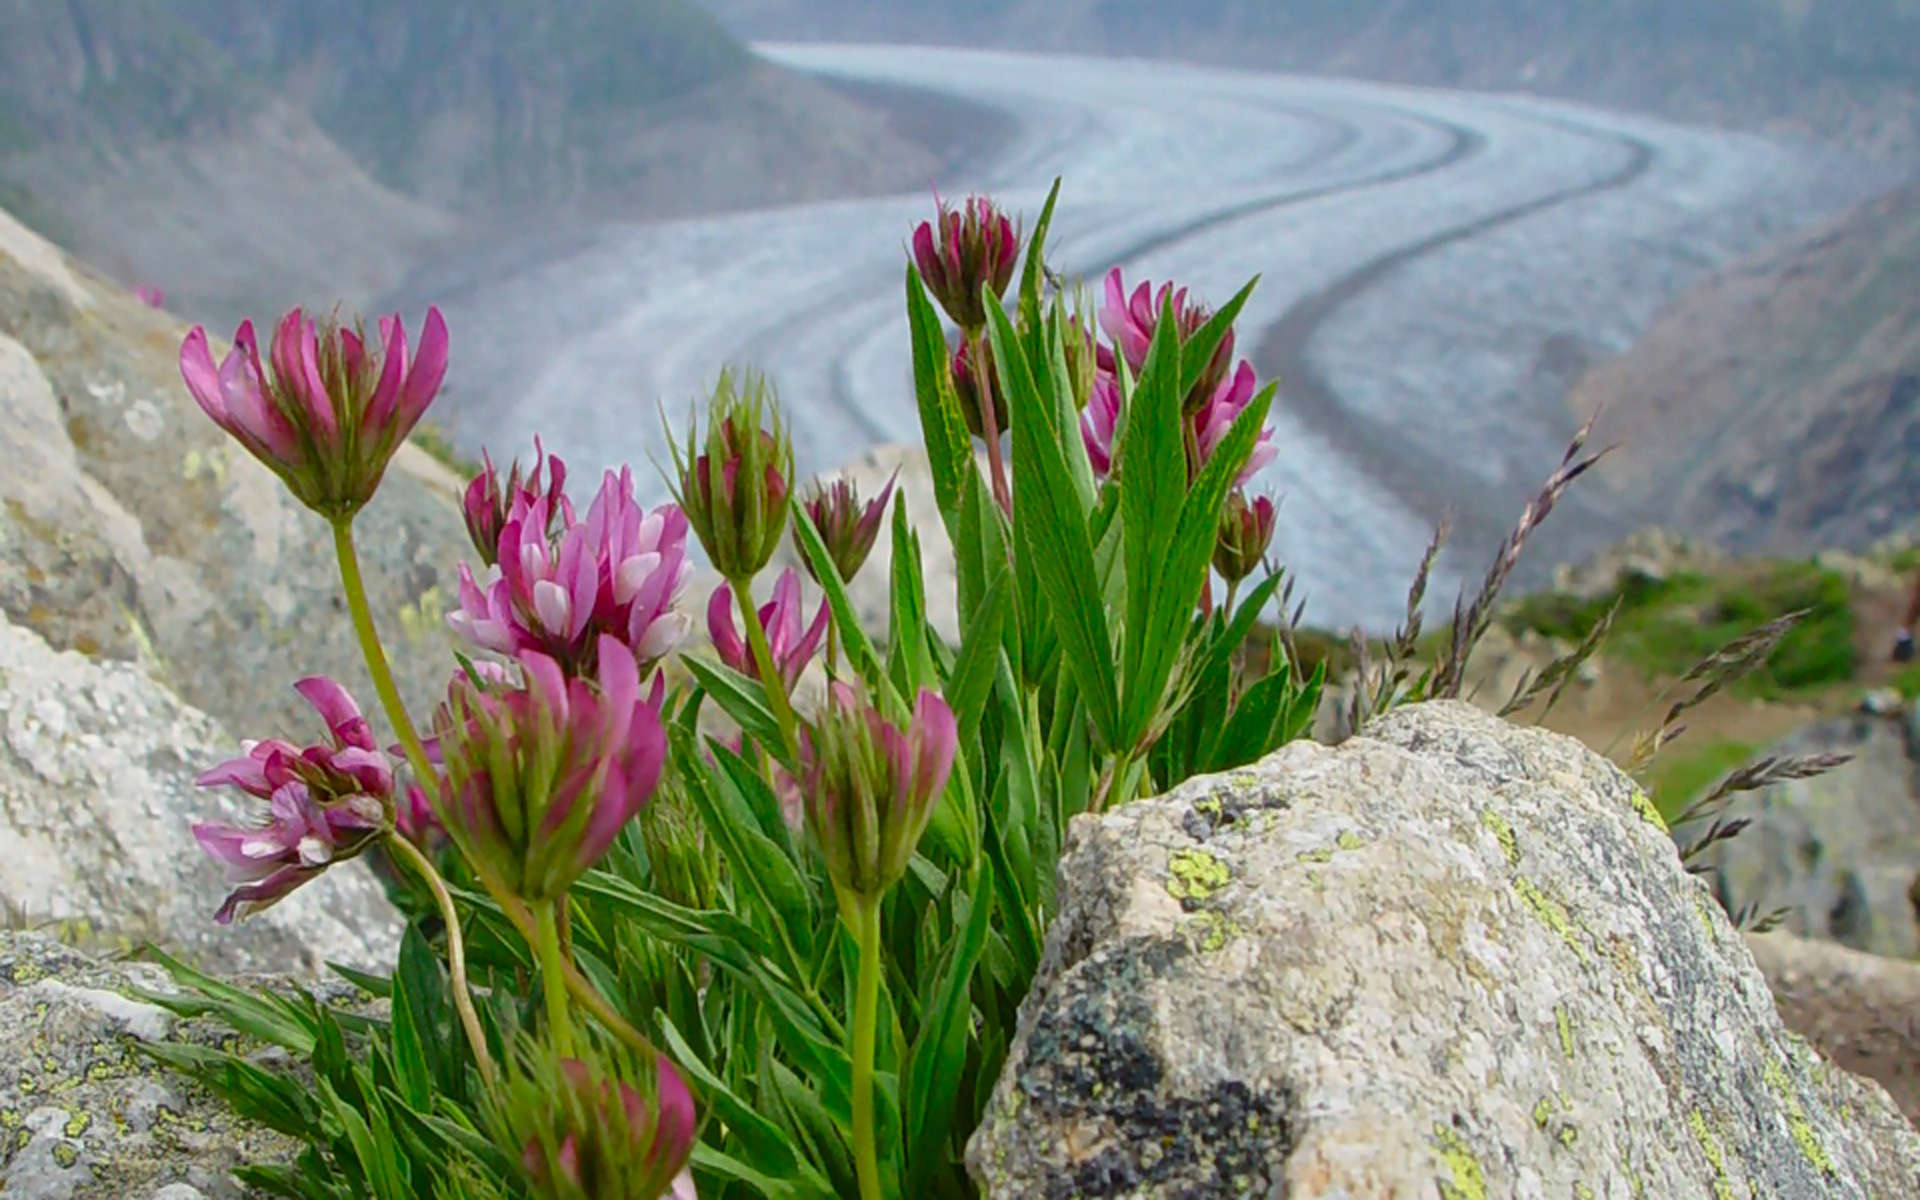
(1686, 770)
(1666, 626)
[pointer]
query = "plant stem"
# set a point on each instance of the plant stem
(526, 922)
(863, 913)
(376, 658)
(456, 953)
(389, 693)
(769, 674)
(989, 422)
(553, 975)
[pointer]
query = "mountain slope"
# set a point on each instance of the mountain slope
(1841, 69)
(1776, 407)
(276, 152)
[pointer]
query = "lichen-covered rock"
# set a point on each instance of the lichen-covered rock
(1860, 1010)
(131, 527)
(1451, 958)
(83, 1114)
(97, 763)
(1840, 852)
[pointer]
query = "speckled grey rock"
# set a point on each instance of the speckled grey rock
(132, 527)
(1841, 851)
(97, 799)
(85, 1116)
(1450, 958)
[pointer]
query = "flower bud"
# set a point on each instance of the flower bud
(540, 778)
(733, 484)
(868, 787)
(488, 505)
(332, 410)
(958, 253)
(847, 529)
(1246, 530)
(611, 1126)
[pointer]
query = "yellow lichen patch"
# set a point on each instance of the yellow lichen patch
(1564, 1020)
(1466, 1180)
(1213, 931)
(1643, 804)
(77, 1124)
(1322, 855)
(1710, 1146)
(1195, 875)
(1502, 833)
(1349, 840)
(199, 462)
(1775, 1077)
(1582, 1192)
(1551, 912)
(1542, 1111)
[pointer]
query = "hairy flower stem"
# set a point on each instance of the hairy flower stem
(769, 674)
(862, 913)
(376, 657)
(989, 423)
(553, 975)
(456, 952)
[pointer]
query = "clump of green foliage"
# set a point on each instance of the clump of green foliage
(1665, 625)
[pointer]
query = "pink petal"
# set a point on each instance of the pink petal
(720, 628)
(393, 366)
(551, 605)
(546, 683)
(337, 708)
(429, 369)
(202, 379)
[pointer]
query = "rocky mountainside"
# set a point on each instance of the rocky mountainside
(1776, 407)
(278, 152)
(133, 529)
(1842, 69)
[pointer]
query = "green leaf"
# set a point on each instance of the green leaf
(1153, 491)
(771, 1156)
(1198, 350)
(942, 427)
(416, 985)
(1051, 525)
(372, 1144)
(740, 698)
(1273, 711)
(1172, 605)
(854, 642)
(980, 556)
(762, 865)
(910, 665)
(971, 681)
(272, 1018)
(937, 1060)
(272, 1100)
(378, 986)
(1030, 274)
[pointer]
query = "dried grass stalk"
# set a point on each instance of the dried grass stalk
(1471, 622)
